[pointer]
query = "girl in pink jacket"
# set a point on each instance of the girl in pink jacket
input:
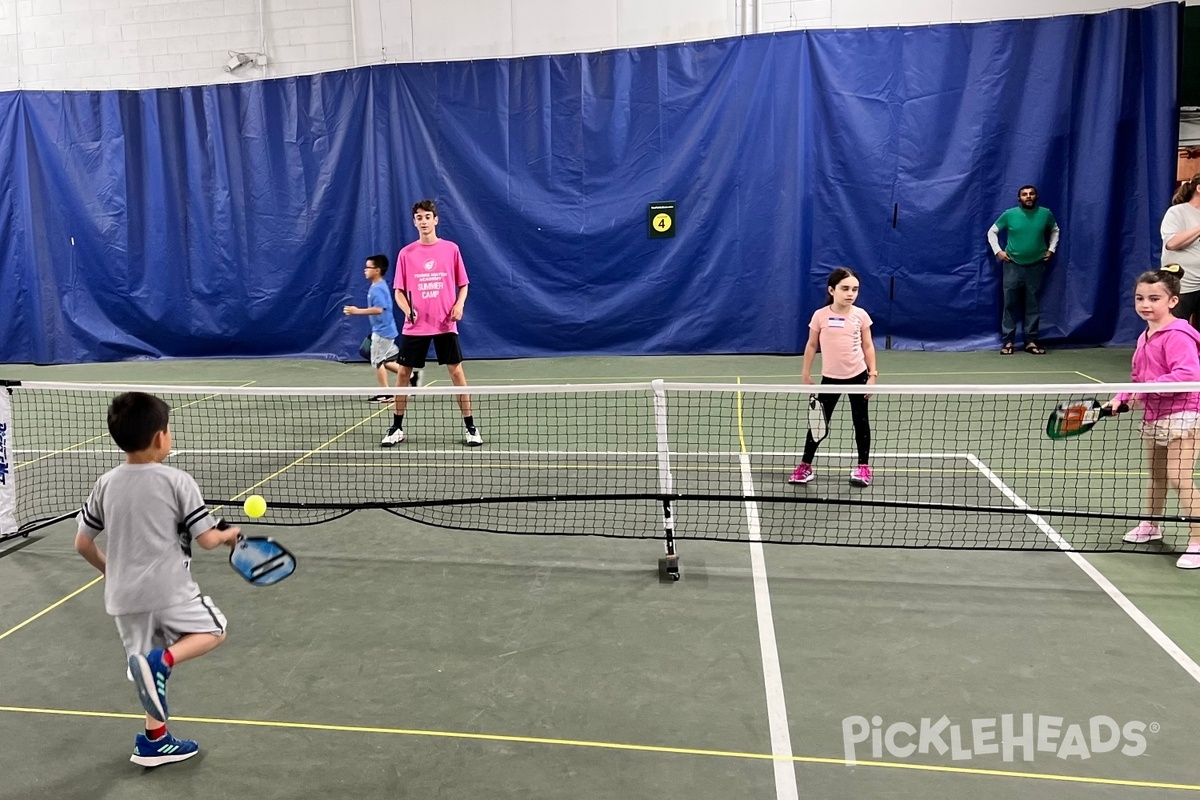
(1168, 352)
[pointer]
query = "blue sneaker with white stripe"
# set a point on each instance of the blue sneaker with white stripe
(150, 675)
(167, 750)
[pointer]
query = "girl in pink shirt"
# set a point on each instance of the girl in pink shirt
(847, 356)
(1168, 352)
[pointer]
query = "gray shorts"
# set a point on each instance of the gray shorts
(141, 633)
(383, 350)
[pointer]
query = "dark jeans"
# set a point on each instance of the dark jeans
(858, 414)
(1022, 283)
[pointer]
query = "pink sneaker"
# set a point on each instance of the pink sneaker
(861, 475)
(1144, 532)
(802, 474)
(1190, 558)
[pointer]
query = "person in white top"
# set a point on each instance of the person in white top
(1181, 245)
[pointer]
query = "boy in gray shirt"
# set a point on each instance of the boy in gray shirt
(152, 514)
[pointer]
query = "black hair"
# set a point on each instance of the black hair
(1026, 186)
(380, 262)
(425, 205)
(1167, 275)
(135, 417)
(837, 276)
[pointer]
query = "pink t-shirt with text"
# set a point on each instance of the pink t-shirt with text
(430, 274)
(841, 337)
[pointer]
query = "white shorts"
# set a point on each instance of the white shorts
(1164, 430)
(141, 633)
(383, 350)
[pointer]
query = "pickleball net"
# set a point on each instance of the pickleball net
(960, 467)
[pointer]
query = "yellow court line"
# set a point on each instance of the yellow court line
(59, 452)
(518, 465)
(625, 746)
(1089, 377)
(82, 589)
(304, 457)
(240, 494)
(50, 608)
(102, 435)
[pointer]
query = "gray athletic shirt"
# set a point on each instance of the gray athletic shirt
(150, 512)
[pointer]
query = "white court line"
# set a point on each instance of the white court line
(1126, 605)
(379, 451)
(238, 451)
(781, 737)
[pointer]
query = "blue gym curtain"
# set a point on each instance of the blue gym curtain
(233, 220)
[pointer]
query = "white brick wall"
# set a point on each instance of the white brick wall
(778, 15)
(99, 44)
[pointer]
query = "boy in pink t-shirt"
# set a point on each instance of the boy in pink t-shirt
(843, 333)
(431, 290)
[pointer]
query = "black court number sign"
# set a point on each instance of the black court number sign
(660, 219)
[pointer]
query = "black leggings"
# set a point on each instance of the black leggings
(1186, 308)
(858, 414)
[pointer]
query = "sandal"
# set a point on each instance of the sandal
(1033, 349)
(1007, 350)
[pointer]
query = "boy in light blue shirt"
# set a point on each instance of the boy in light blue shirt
(384, 352)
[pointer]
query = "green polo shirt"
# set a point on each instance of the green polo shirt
(1028, 233)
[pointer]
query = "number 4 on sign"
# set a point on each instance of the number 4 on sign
(661, 220)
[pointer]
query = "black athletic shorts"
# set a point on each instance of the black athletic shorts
(415, 349)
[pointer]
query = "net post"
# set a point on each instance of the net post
(8, 477)
(668, 566)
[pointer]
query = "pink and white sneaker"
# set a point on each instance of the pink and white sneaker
(861, 475)
(1144, 532)
(1190, 558)
(802, 474)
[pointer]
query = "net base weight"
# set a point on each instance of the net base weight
(668, 567)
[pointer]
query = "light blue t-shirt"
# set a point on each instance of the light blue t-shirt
(379, 296)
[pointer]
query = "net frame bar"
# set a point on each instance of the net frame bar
(645, 386)
(666, 482)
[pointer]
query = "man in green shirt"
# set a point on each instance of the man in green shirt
(1031, 241)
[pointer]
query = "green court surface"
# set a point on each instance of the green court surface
(406, 660)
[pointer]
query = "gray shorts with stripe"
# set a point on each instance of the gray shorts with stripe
(141, 633)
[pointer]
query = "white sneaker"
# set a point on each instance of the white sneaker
(393, 437)
(1190, 558)
(473, 438)
(1144, 532)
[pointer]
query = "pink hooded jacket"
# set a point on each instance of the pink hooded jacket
(1170, 355)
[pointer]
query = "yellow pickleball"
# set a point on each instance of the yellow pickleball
(255, 506)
